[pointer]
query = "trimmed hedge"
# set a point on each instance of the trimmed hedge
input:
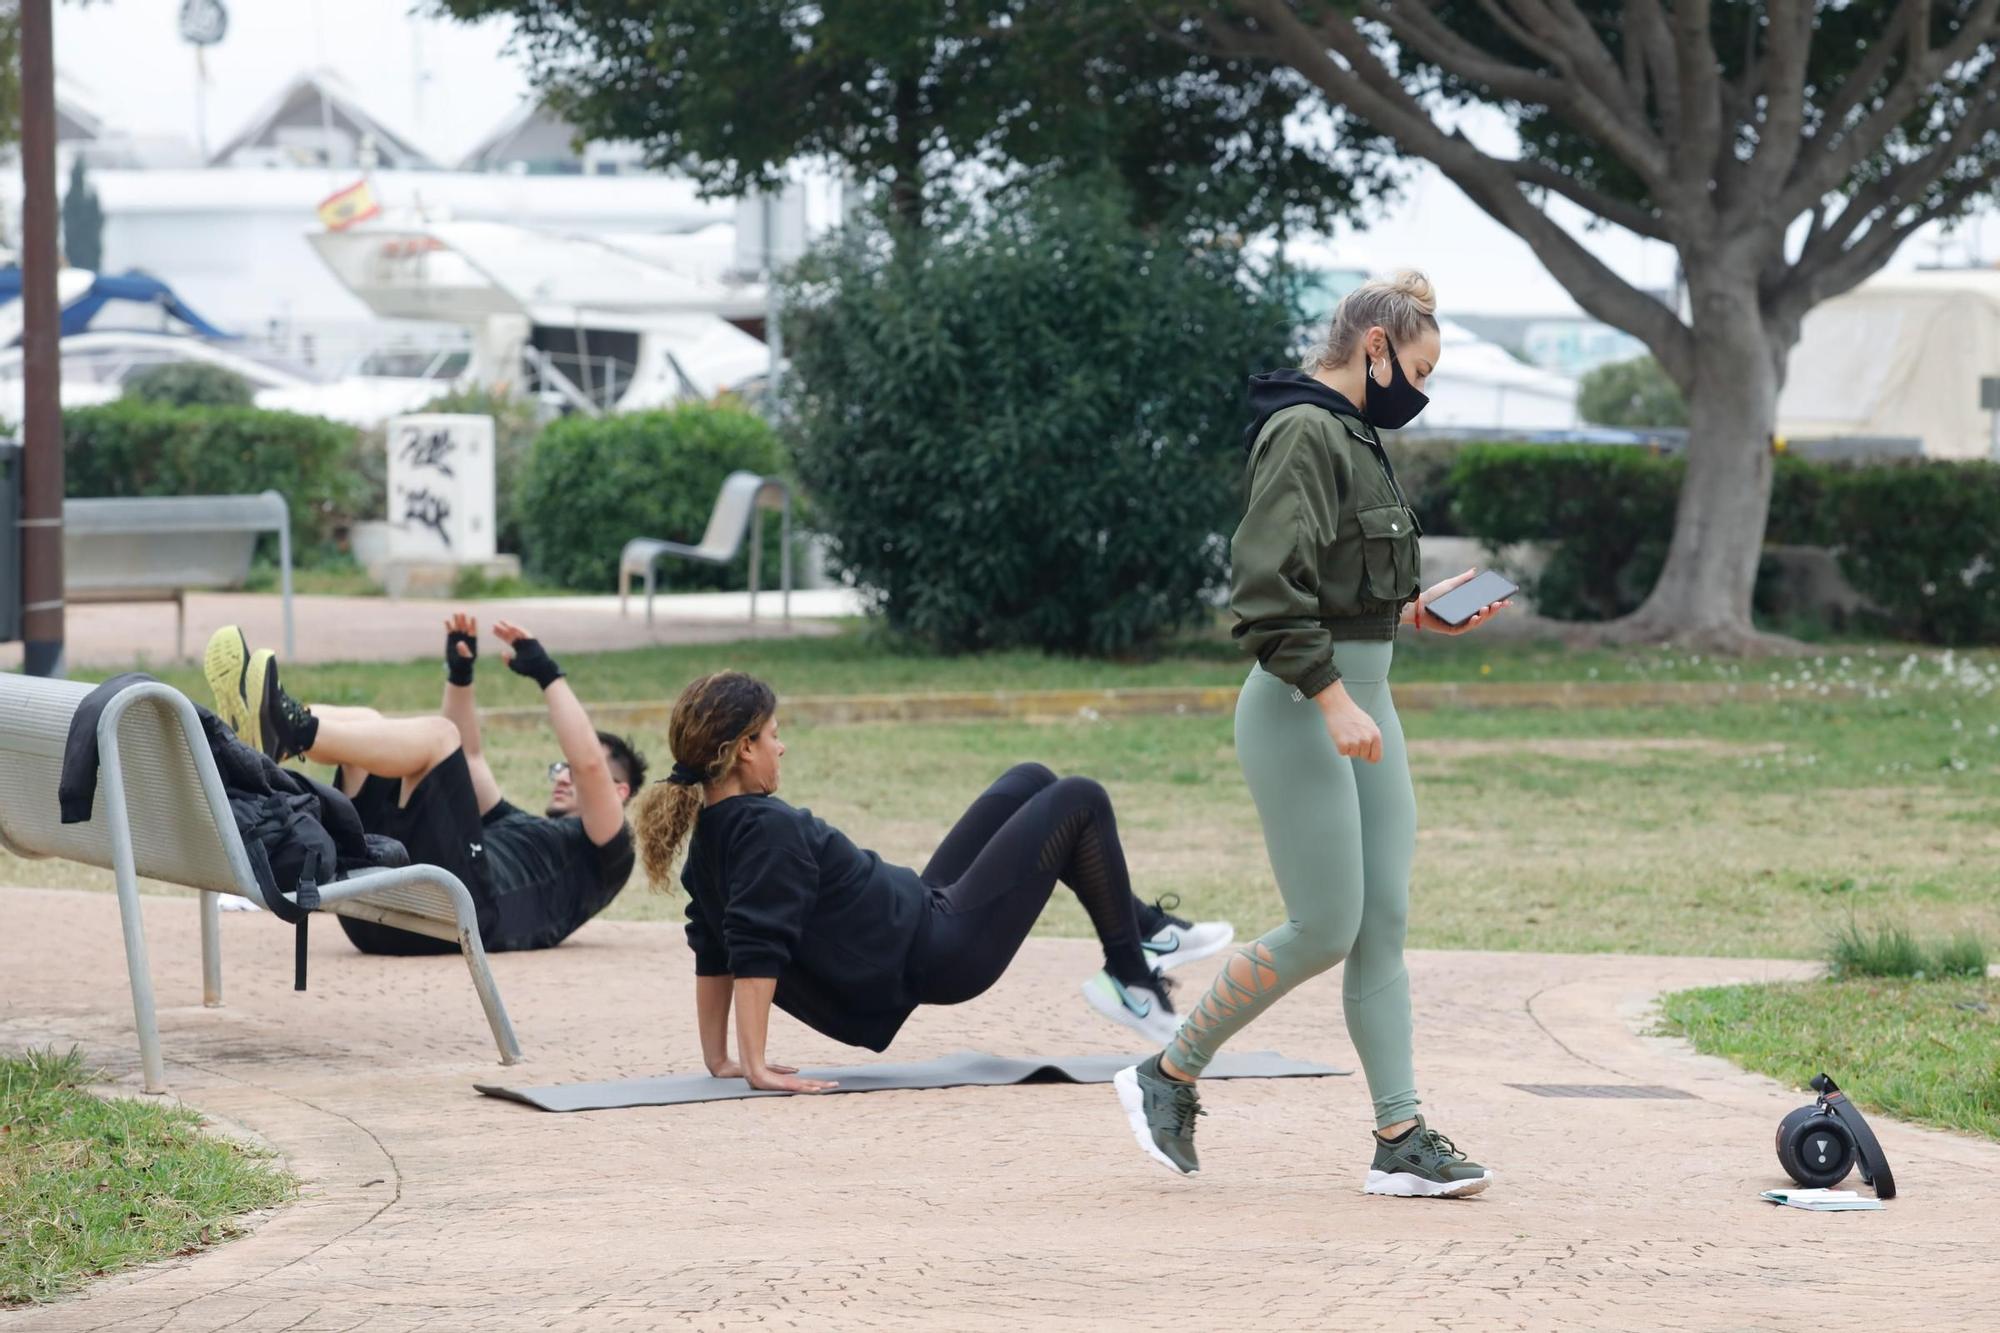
(131, 447)
(590, 484)
(1923, 541)
(1920, 540)
(1606, 512)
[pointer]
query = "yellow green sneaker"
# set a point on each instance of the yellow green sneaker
(237, 680)
(249, 699)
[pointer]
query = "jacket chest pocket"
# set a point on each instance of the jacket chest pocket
(1391, 568)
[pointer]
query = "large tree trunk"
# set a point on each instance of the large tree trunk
(1703, 596)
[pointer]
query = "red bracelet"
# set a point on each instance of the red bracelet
(1417, 620)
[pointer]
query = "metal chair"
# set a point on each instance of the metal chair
(739, 511)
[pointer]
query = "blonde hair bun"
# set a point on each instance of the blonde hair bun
(1413, 284)
(1404, 304)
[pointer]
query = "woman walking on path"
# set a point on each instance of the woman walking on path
(1324, 570)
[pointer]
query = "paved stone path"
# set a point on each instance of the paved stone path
(429, 1207)
(383, 629)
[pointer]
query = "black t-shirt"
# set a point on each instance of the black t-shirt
(775, 892)
(547, 877)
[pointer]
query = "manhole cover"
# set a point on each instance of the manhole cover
(1633, 1091)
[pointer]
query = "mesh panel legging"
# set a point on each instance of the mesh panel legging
(995, 870)
(1341, 833)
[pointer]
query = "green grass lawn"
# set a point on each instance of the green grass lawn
(861, 661)
(1927, 1051)
(1747, 829)
(89, 1185)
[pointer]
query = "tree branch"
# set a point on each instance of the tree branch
(1908, 180)
(1370, 89)
(1822, 170)
(1699, 144)
(1619, 127)
(1859, 261)
(1629, 216)
(1646, 28)
(1789, 52)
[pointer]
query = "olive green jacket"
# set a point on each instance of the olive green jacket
(1327, 549)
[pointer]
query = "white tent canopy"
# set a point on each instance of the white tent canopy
(1899, 356)
(1480, 386)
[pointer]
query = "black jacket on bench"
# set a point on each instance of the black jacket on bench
(295, 831)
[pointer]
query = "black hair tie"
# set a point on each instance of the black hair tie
(686, 775)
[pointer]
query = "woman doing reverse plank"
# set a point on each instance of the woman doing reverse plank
(783, 909)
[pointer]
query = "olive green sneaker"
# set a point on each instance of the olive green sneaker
(1161, 1111)
(1424, 1164)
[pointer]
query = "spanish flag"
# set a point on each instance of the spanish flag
(344, 208)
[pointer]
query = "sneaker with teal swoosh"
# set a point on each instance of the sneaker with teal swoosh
(1144, 1009)
(1174, 941)
(1424, 1164)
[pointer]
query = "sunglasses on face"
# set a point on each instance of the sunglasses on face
(559, 771)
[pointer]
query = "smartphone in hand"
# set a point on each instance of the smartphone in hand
(1471, 597)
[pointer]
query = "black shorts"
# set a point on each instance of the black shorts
(441, 826)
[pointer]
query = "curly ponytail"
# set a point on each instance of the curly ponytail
(712, 718)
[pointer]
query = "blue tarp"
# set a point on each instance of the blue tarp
(134, 286)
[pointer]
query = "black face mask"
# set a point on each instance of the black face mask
(1396, 405)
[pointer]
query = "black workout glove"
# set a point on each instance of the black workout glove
(457, 665)
(533, 661)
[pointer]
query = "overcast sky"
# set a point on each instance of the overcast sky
(445, 85)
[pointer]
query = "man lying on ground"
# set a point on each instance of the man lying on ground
(425, 782)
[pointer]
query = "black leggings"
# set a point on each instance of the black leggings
(995, 870)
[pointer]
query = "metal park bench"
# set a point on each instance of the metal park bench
(156, 548)
(160, 811)
(739, 511)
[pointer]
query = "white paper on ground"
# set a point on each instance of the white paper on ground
(1822, 1201)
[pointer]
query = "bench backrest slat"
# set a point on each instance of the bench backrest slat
(264, 512)
(175, 835)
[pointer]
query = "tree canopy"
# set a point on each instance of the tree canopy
(916, 94)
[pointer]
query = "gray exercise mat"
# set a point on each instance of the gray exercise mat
(958, 1070)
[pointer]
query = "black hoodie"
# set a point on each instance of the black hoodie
(1274, 391)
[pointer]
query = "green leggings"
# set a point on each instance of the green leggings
(1341, 833)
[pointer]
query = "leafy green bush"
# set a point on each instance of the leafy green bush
(1023, 429)
(138, 448)
(188, 384)
(590, 484)
(1635, 393)
(1606, 511)
(1922, 541)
